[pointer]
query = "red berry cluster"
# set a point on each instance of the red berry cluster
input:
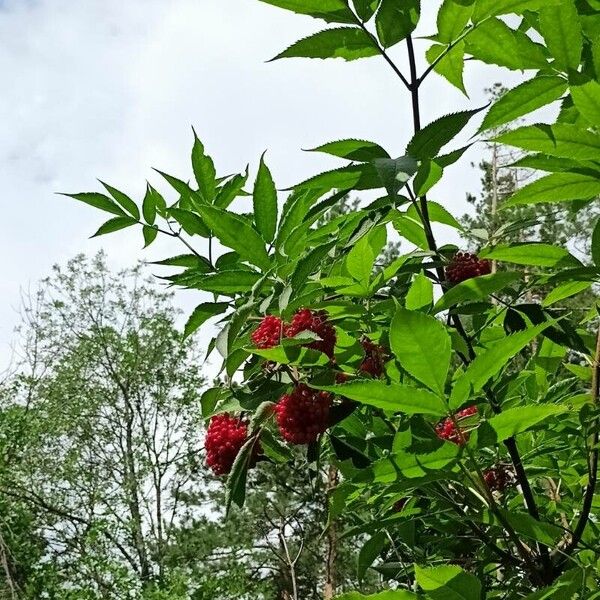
(271, 329)
(307, 320)
(268, 334)
(498, 478)
(225, 437)
(463, 266)
(447, 429)
(374, 361)
(303, 414)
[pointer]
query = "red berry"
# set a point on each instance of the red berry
(498, 478)
(225, 437)
(268, 334)
(307, 320)
(447, 430)
(341, 377)
(374, 362)
(303, 414)
(463, 266)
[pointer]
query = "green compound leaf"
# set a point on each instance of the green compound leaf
(349, 43)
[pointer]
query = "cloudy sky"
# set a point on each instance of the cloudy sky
(108, 89)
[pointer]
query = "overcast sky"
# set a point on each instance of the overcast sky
(108, 89)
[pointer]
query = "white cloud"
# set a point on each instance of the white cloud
(105, 88)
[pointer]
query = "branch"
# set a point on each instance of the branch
(592, 463)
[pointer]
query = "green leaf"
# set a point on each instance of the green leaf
(437, 214)
(596, 244)
(536, 254)
(490, 362)
(115, 224)
(564, 140)
(495, 43)
(352, 149)
(557, 187)
(587, 100)
(231, 190)
(332, 11)
(420, 293)
(236, 481)
(227, 283)
(395, 172)
(191, 223)
(369, 552)
(523, 99)
(477, 288)
(393, 397)
(452, 18)
(427, 143)
(513, 421)
(124, 200)
(561, 29)
(452, 65)
(448, 582)
(412, 230)
(150, 234)
(365, 9)
(349, 43)
(429, 173)
(565, 290)
(236, 233)
(396, 20)
(387, 595)
(149, 205)
(422, 346)
(204, 171)
(292, 355)
(265, 202)
(201, 314)
(409, 465)
(191, 261)
(98, 201)
(490, 8)
(364, 253)
(353, 177)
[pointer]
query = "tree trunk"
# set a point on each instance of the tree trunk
(332, 541)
